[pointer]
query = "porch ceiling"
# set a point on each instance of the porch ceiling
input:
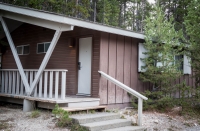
(56, 18)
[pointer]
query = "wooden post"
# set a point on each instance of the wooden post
(56, 84)
(140, 102)
(2, 82)
(45, 83)
(16, 57)
(51, 84)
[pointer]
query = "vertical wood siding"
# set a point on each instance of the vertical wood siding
(119, 59)
(63, 57)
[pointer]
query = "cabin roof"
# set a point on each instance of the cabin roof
(12, 12)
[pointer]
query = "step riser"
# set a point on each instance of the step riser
(90, 120)
(110, 126)
(83, 104)
(128, 128)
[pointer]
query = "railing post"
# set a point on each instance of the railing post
(56, 84)
(2, 81)
(51, 84)
(63, 90)
(45, 83)
(140, 102)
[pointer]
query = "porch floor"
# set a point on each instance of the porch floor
(68, 98)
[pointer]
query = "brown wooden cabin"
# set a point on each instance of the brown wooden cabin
(98, 47)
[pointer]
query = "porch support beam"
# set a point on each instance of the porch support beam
(15, 55)
(46, 59)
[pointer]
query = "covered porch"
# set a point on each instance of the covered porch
(42, 84)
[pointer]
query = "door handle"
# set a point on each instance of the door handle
(79, 65)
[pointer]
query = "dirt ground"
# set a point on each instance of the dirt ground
(12, 118)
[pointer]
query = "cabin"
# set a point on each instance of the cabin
(53, 59)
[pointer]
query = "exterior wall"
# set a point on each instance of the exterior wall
(119, 59)
(63, 56)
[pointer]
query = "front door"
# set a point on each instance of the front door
(84, 66)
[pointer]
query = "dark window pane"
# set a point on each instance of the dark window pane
(26, 50)
(179, 58)
(40, 48)
(47, 46)
(19, 50)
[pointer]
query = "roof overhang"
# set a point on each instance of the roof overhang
(37, 16)
(15, 15)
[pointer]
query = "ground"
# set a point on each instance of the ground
(14, 119)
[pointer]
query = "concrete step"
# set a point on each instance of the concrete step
(109, 124)
(128, 128)
(90, 118)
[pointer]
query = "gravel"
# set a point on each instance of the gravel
(153, 121)
(21, 121)
(170, 121)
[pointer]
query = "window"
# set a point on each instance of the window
(23, 50)
(179, 58)
(43, 47)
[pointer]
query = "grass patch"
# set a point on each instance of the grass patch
(35, 114)
(4, 125)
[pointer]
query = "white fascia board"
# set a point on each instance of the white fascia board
(71, 21)
(37, 21)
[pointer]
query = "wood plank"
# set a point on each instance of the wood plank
(18, 83)
(6, 82)
(103, 87)
(51, 85)
(13, 82)
(2, 82)
(56, 84)
(127, 67)
(120, 68)
(134, 59)
(10, 82)
(45, 83)
(112, 68)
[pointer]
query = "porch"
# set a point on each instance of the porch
(51, 88)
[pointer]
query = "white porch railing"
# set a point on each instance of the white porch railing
(47, 87)
(131, 91)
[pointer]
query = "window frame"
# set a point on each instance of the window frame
(44, 47)
(23, 49)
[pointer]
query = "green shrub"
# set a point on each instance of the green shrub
(35, 114)
(156, 101)
(63, 120)
(63, 117)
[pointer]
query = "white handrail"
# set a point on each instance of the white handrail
(123, 86)
(34, 70)
(128, 89)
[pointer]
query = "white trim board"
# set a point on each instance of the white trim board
(37, 21)
(66, 20)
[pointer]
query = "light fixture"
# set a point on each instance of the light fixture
(71, 42)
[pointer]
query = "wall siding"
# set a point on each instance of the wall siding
(119, 59)
(63, 57)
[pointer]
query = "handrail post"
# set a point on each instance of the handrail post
(140, 102)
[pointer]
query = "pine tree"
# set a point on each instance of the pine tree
(162, 45)
(193, 34)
